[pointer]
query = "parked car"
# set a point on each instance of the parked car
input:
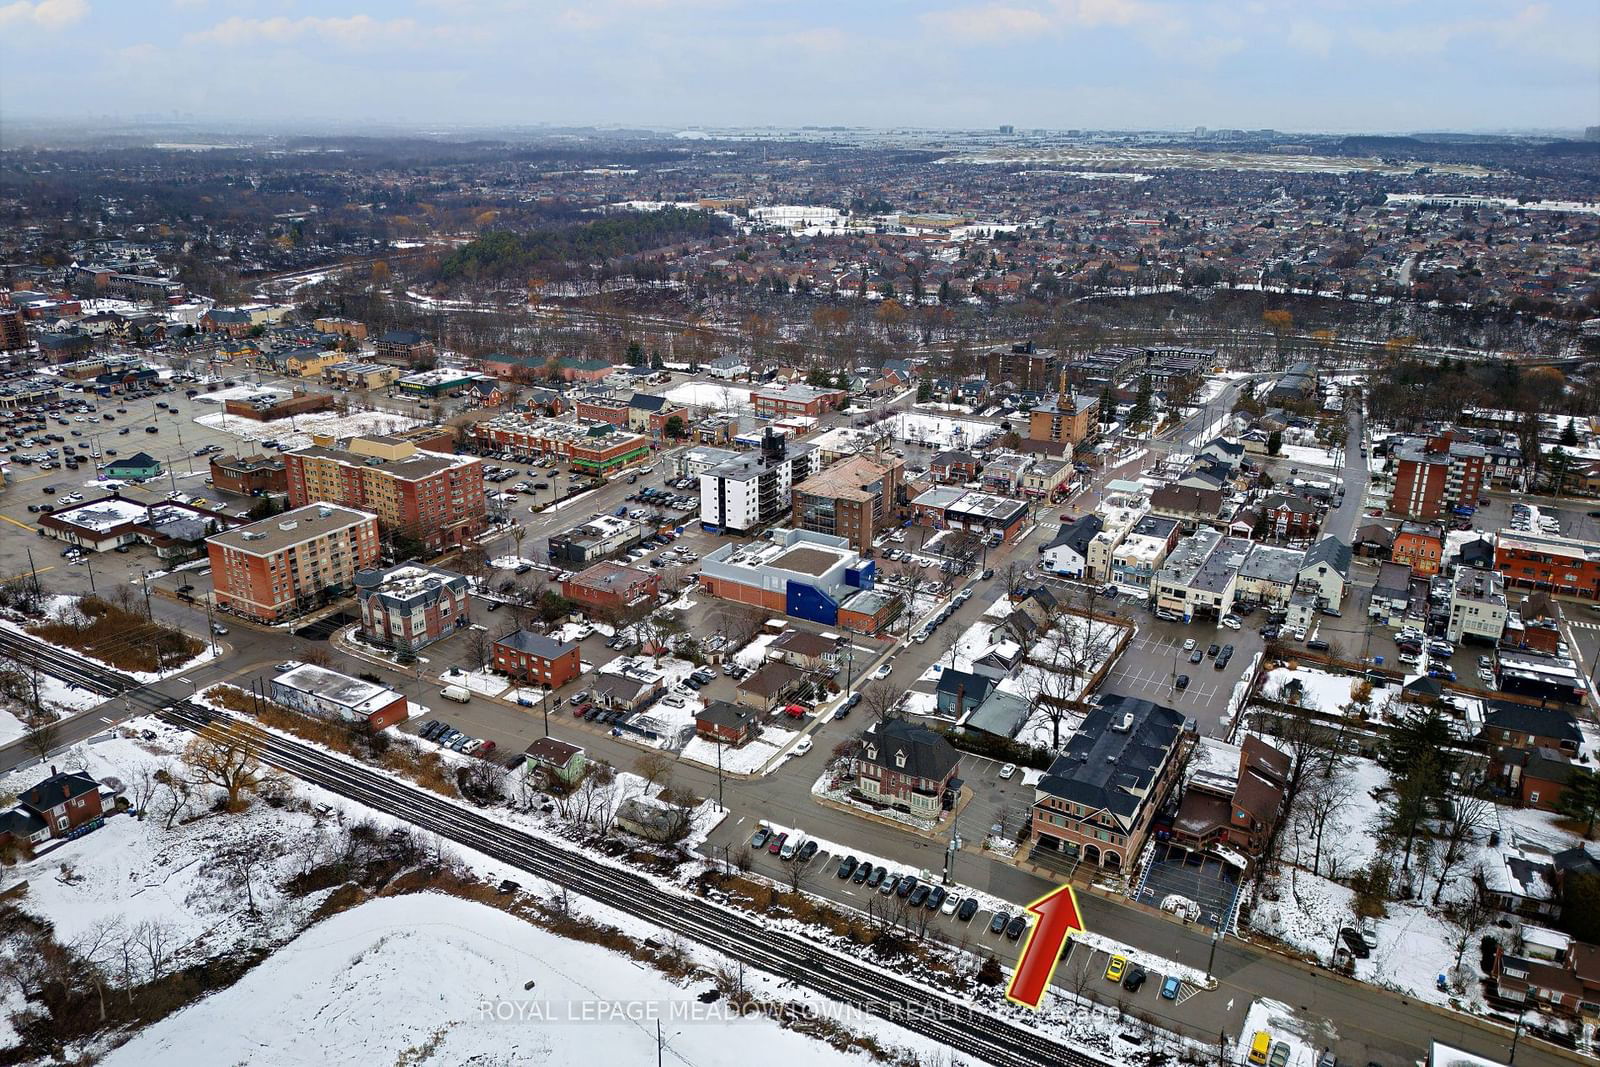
(936, 898)
(998, 923)
(1115, 968)
(968, 909)
(847, 867)
(1170, 986)
(863, 872)
(1015, 927)
(759, 840)
(775, 845)
(1352, 939)
(807, 850)
(1134, 978)
(875, 879)
(1181, 682)
(1008, 771)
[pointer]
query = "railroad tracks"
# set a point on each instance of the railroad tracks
(960, 1026)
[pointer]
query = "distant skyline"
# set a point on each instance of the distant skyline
(1295, 65)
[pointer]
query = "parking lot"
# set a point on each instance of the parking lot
(1195, 884)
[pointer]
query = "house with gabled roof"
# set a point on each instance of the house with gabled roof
(909, 767)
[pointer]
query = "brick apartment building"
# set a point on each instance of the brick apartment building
(268, 569)
(853, 499)
(530, 657)
(1068, 418)
(592, 447)
(611, 586)
(249, 475)
(431, 497)
(1432, 478)
(13, 330)
(411, 605)
(1025, 365)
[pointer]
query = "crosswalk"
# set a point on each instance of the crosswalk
(1585, 625)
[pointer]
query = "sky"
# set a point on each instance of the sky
(1300, 65)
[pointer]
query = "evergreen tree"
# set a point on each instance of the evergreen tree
(1569, 434)
(635, 354)
(924, 391)
(1274, 442)
(817, 377)
(1141, 403)
(944, 291)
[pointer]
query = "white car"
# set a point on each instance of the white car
(1233, 623)
(1188, 646)
(951, 903)
(803, 746)
(883, 671)
(1008, 771)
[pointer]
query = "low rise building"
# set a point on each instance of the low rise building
(596, 448)
(1478, 609)
(1420, 546)
(253, 475)
(1067, 554)
(595, 539)
(1139, 555)
(1096, 802)
(795, 399)
(1325, 570)
(532, 657)
(330, 695)
(1268, 575)
(1565, 566)
(817, 577)
(611, 587)
(984, 514)
(1200, 576)
(553, 760)
(411, 605)
(1233, 796)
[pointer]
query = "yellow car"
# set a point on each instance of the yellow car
(1115, 968)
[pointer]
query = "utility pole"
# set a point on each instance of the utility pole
(211, 628)
(719, 776)
(955, 843)
(88, 561)
(34, 572)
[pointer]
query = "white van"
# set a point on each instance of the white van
(460, 694)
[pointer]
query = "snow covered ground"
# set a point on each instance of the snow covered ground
(296, 431)
(429, 978)
(63, 698)
(731, 397)
(1303, 1037)
(747, 758)
(938, 431)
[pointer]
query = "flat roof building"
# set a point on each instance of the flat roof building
(292, 562)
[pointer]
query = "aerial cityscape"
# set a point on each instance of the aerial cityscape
(1039, 533)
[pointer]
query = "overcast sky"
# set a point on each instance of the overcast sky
(1381, 65)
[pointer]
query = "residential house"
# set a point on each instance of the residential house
(1235, 805)
(731, 724)
(627, 692)
(768, 686)
(908, 767)
(1326, 570)
(1374, 541)
(954, 466)
(62, 802)
(1189, 507)
(1292, 518)
(958, 692)
(554, 760)
(1420, 546)
(1067, 553)
(533, 657)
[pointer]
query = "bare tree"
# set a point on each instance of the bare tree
(155, 939)
(655, 768)
(1466, 917)
(95, 949)
(43, 734)
(227, 755)
(1318, 806)
(178, 793)
(1468, 814)
(881, 702)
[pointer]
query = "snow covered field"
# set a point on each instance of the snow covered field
(63, 698)
(938, 431)
(468, 983)
(296, 431)
(729, 397)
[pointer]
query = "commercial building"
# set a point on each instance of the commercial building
(1269, 575)
(434, 498)
(1233, 796)
(436, 382)
(611, 586)
(1477, 606)
(409, 606)
(598, 538)
(740, 494)
(812, 576)
(1097, 800)
(854, 499)
(1435, 476)
(795, 399)
(354, 374)
(254, 475)
(984, 514)
(175, 530)
(1561, 565)
(1135, 560)
(331, 695)
(1200, 577)
(1068, 418)
(532, 657)
(294, 561)
(592, 447)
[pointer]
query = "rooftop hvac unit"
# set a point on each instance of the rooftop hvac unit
(287, 526)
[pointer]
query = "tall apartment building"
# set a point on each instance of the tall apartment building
(294, 561)
(1440, 474)
(853, 499)
(431, 497)
(755, 487)
(1066, 418)
(13, 331)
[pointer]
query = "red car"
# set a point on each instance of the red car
(795, 711)
(484, 750)
(579, 711)
(777, 844)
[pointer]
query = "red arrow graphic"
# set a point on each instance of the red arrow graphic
(1058, 916)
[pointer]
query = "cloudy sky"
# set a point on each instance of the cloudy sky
(1389, 65)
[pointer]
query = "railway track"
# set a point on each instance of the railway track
(960, 1026)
